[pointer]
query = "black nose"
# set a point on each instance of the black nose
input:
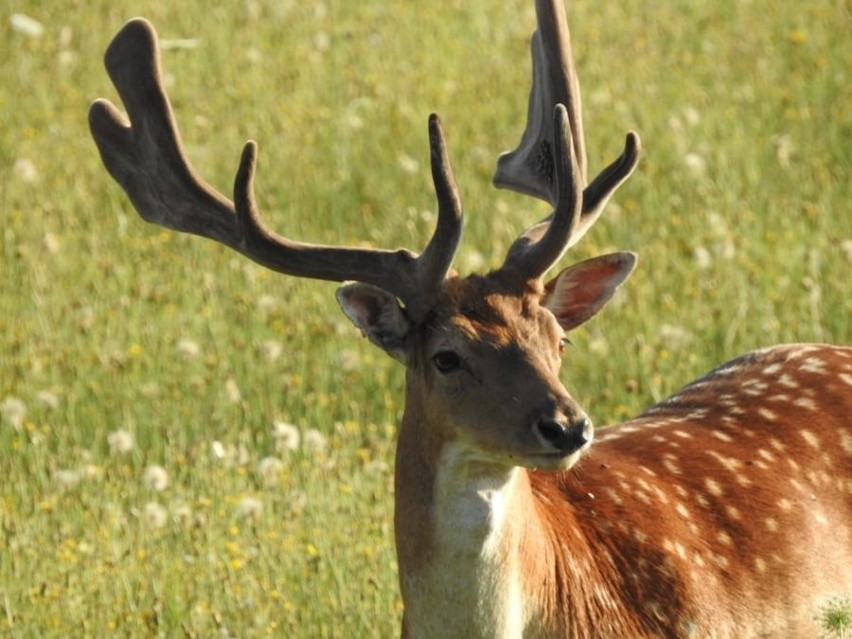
(565, 438)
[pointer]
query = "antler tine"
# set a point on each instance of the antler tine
(542, 245)
(144, 154)
(531, 169)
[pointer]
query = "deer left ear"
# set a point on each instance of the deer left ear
(580, 291)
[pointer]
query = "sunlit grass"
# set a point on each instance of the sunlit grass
(153, 386)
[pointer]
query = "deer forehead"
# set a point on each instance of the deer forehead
(477, 312)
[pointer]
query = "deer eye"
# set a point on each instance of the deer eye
(446, 362)
(563, 342)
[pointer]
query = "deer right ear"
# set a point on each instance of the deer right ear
(379, 316)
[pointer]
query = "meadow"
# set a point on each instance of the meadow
(193, 446)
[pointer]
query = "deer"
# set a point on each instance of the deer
(722, 511)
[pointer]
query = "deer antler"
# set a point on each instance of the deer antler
(550, 161)
(146, 157)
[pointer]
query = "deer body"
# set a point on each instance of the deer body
(724, 511)
(664, 529)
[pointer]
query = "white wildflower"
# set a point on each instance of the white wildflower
(703, 258)
(229, 454)
(182, 514)
(25, 170)
(26, 25)
(120, 442)
(91, 471)
(269, 469)
(48, 400)
(271, 349)
(13, 411)
(349, 360)
(315, 441)
(675, 336)
(408, 164)
(322, 41)
(156, 478)
(691, 115)
(218, 450)
(67, 479)
(155, 515)
(232, 391)
(286, 436)
(188, 348)
(846, 249)
(249, 508)
(267, 303)
(695, 164)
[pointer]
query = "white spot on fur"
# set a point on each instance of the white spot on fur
(813, 365)
(810, 438)
(765, 454)
(805, 402)
(767, 414)
(787, 381)
(713, 487)
(721, 436)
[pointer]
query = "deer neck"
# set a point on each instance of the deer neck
(475, 553)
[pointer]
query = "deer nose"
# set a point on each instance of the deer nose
(565, 437)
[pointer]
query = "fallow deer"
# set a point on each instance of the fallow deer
(723, 511)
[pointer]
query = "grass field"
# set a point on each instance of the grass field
(153, 386)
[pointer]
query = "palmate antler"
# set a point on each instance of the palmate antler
(550, 161)
(146, 157)
(144, 154)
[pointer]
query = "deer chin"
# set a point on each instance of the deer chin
(551, 459)
(555, 461)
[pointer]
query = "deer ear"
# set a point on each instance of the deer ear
(379, 316)
(580, 291)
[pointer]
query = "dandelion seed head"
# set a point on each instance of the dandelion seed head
(249, 508)
(155, 515)
(188, 348)
(408, 164)
(51, 243)
(287, 436)
(47, 400)
(270, 469)
(182, 514)
(156, 478)
(120, 442)
(271, 349)
(232, 391)
(702, 257)
(675, 336)
(315, 441)
(13, 412)
(695, 164)
(67, 479)
(322, 41)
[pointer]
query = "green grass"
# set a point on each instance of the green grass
(739, 210)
